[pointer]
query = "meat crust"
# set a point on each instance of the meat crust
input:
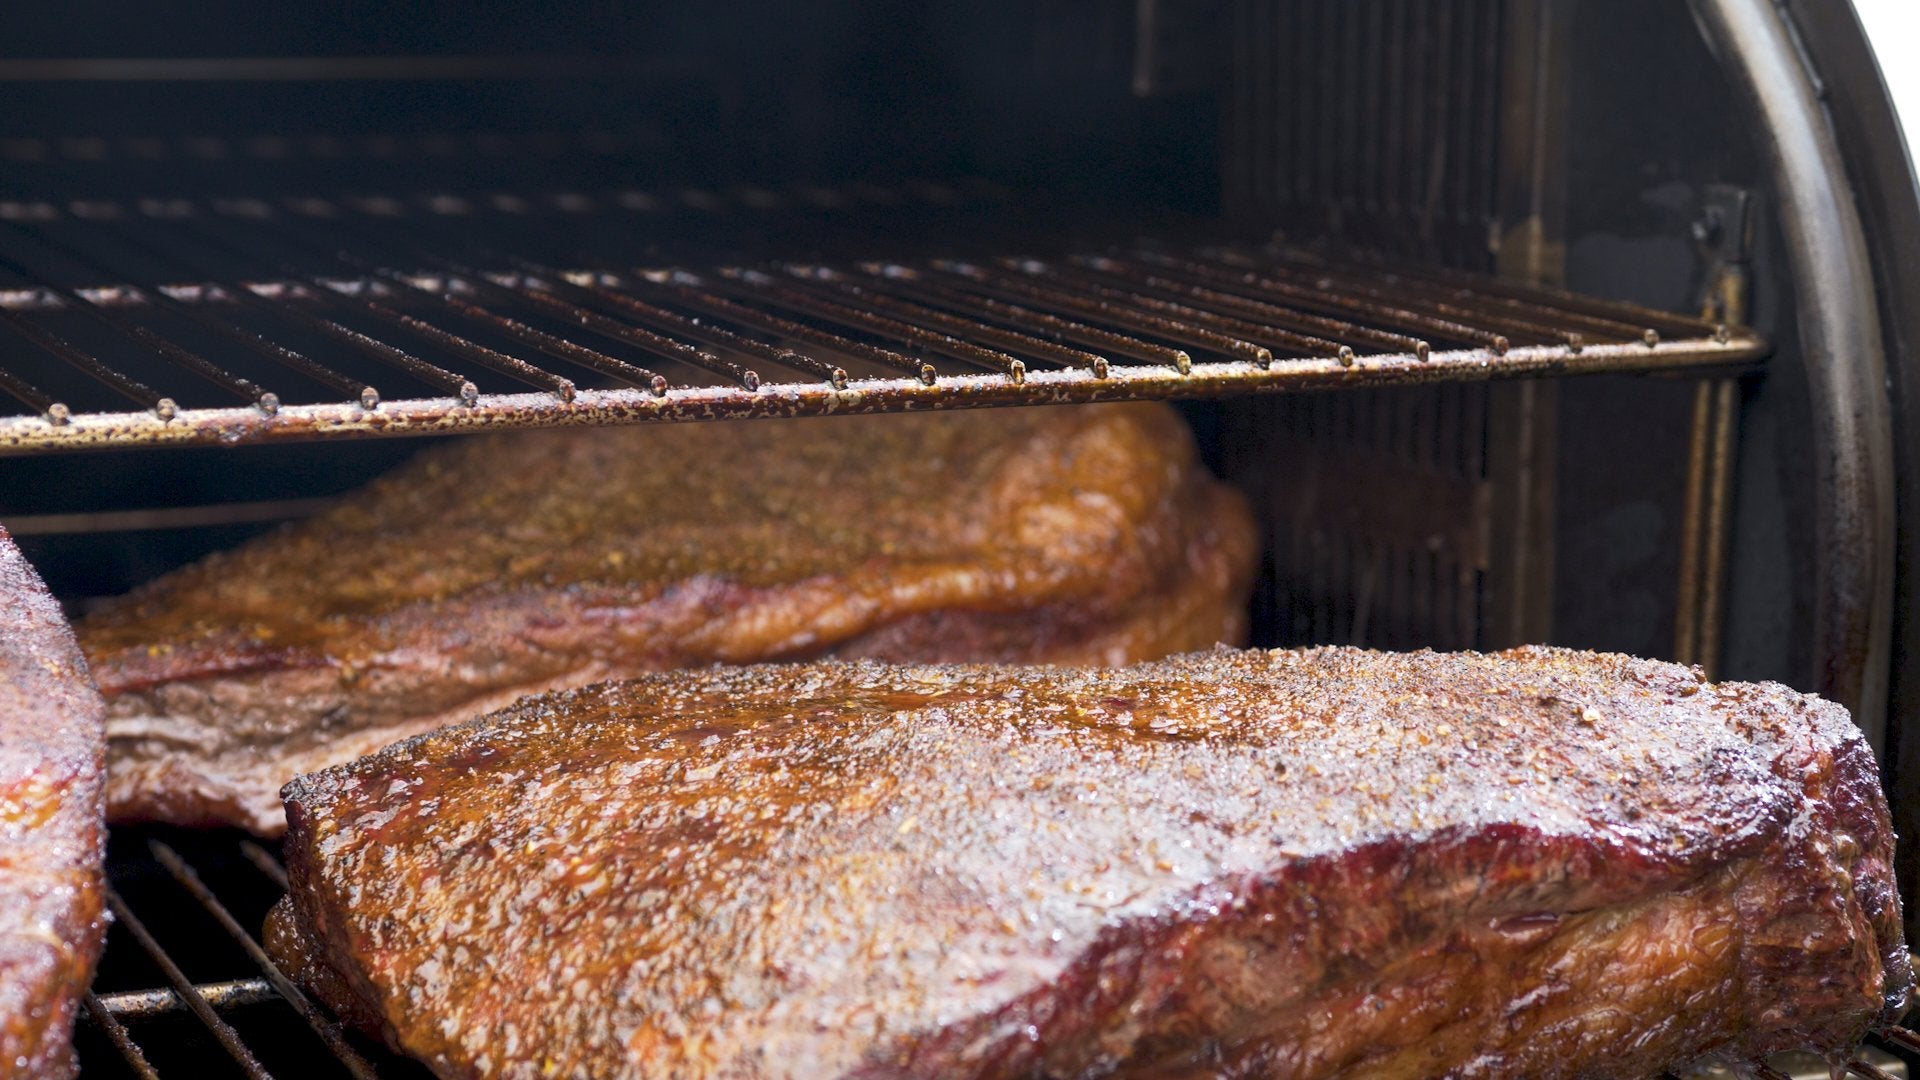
(486, 570)
(52, 836)
(1329, 863)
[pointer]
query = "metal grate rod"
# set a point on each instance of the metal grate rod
(1388, 313)
(1463, 314)
(690, 289)
(1234, 325)
(511, 366)
(573, 303)
(1901, 1037)
(429, 373)
(229, 994)
(1247, 307)
(759, 286)
(244, 389)
(1146, 322)
(642, 338)
(561, 348)
(593, 359)
(166, 517)
(1066, 356)
(130, 1052)
(263, 860)
(228, 1038)
(1667, 322)
(373, 348)
(1535, 312)
(328, 1031)
(240, 294)
(84, 362)
(911, 283)
(32, 396)
(835, 375)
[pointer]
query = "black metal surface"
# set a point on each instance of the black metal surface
(1839, 323)
(1881, 170)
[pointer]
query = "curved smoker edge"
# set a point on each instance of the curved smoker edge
(1840, 337)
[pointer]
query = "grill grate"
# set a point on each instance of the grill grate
(236, 1013)
(191, 902)
(179, 321)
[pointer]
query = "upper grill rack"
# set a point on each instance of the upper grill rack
(181, 321)
(217, 1005)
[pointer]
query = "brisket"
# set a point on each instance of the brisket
(52, 834)
(1330, 863)
(489, 569)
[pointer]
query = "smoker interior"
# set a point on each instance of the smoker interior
(210, 214)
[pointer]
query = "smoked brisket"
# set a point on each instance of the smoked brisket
(489, 569)
(52, 827)
(1328, 863)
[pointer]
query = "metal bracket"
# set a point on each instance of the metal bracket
(1723, 235)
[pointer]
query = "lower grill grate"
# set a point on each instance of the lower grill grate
(185, 989)
(183, 321)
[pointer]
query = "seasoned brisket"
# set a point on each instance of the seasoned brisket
(1329, 863)
(52, 830)
(490, 569)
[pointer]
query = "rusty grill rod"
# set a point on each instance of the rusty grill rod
(429, 373)
(32, 397)
(1091, 282)
(689, 289)
(244, 389)
(561, 299)
(632, 306)
(228, 994)
(240, 294)
(211, 372)
(1902, 1037)
(328, 1031)
(511, 366)
(911, 283)
(562, 348)
(1467, 314)
(641, 337)
(86, 364)
(1667, 322)
(301, 285)
(263, 860)
(757, 285)
(1247, 307)
(1390, 314)
(1067, 356)
(1146, 322)
(130, 1052)
(538, 280)
(228, 1038)
(1601, 327)
(1051, 386)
